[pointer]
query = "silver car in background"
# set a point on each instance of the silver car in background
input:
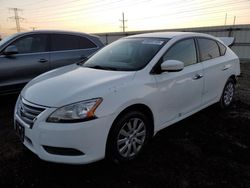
(24, 56)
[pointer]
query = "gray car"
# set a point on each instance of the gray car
(24, 56)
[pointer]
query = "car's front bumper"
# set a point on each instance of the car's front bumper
(88, 138)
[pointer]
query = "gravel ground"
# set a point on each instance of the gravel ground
(208, 149)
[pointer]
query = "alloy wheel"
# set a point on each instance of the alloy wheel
(228, 93)
(131, 137)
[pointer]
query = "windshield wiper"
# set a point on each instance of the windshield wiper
(82, 61)
(102, 67)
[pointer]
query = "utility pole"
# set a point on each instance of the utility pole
(33, 28)
(234, 20)
(226, 19)
(123, 23)
(16, 18)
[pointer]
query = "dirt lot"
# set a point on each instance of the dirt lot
(208, 149)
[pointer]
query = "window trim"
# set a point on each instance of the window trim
(199, 49)
(219, 48)
(75, 35)
(160, 61)
(28, 35)
(49, 42)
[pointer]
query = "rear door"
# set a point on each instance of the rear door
(216, 66)
(67, 49)
(32, 59)
(180, 92)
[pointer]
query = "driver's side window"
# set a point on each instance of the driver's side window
(184, 51)
(31, 44)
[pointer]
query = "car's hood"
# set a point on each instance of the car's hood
(71, 84)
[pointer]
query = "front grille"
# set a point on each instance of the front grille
(28, 112)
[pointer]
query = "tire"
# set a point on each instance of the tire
(128, 137)
(227, 94)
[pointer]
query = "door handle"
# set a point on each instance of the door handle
(42, 60)
(197, 76)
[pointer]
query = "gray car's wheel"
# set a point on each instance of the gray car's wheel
(128, 136)
(228, 94)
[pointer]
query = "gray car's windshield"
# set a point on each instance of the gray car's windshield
(7, 39)
(129, 54)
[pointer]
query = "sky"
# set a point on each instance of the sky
(100, 16)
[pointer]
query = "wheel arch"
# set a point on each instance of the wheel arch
(234, 78)
(139, 107)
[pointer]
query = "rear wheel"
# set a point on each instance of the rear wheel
(128, 136)
(228, 94)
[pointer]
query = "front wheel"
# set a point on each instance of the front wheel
(128, 136)
(228, 94)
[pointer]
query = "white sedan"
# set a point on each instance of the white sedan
(114, 102)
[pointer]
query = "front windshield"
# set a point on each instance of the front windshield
(7, 39)
(129, 54)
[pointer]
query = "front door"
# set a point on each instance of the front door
(180, 92)
(32, 59)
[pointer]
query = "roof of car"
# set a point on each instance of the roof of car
(168, 34)
(57, 31)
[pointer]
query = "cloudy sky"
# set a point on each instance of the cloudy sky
(98, 16)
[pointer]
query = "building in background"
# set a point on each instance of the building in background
(241, 33)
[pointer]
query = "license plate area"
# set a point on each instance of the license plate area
(20, 131)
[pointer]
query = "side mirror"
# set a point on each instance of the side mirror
(10, 50)
(172, 65)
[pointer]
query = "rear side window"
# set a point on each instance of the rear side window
(184, 51)
(85, 43)
(208, 49)
(31, 44)
(60, 42)
(222, 49)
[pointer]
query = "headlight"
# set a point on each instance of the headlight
(76, 112)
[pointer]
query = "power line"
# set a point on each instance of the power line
(85, 6)
(33, 3)
(16, 18)
(86, 9)
(196, 16)
(181, 12)
(133, 20)
(55, 6)
(193, 10)
(79, 12)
